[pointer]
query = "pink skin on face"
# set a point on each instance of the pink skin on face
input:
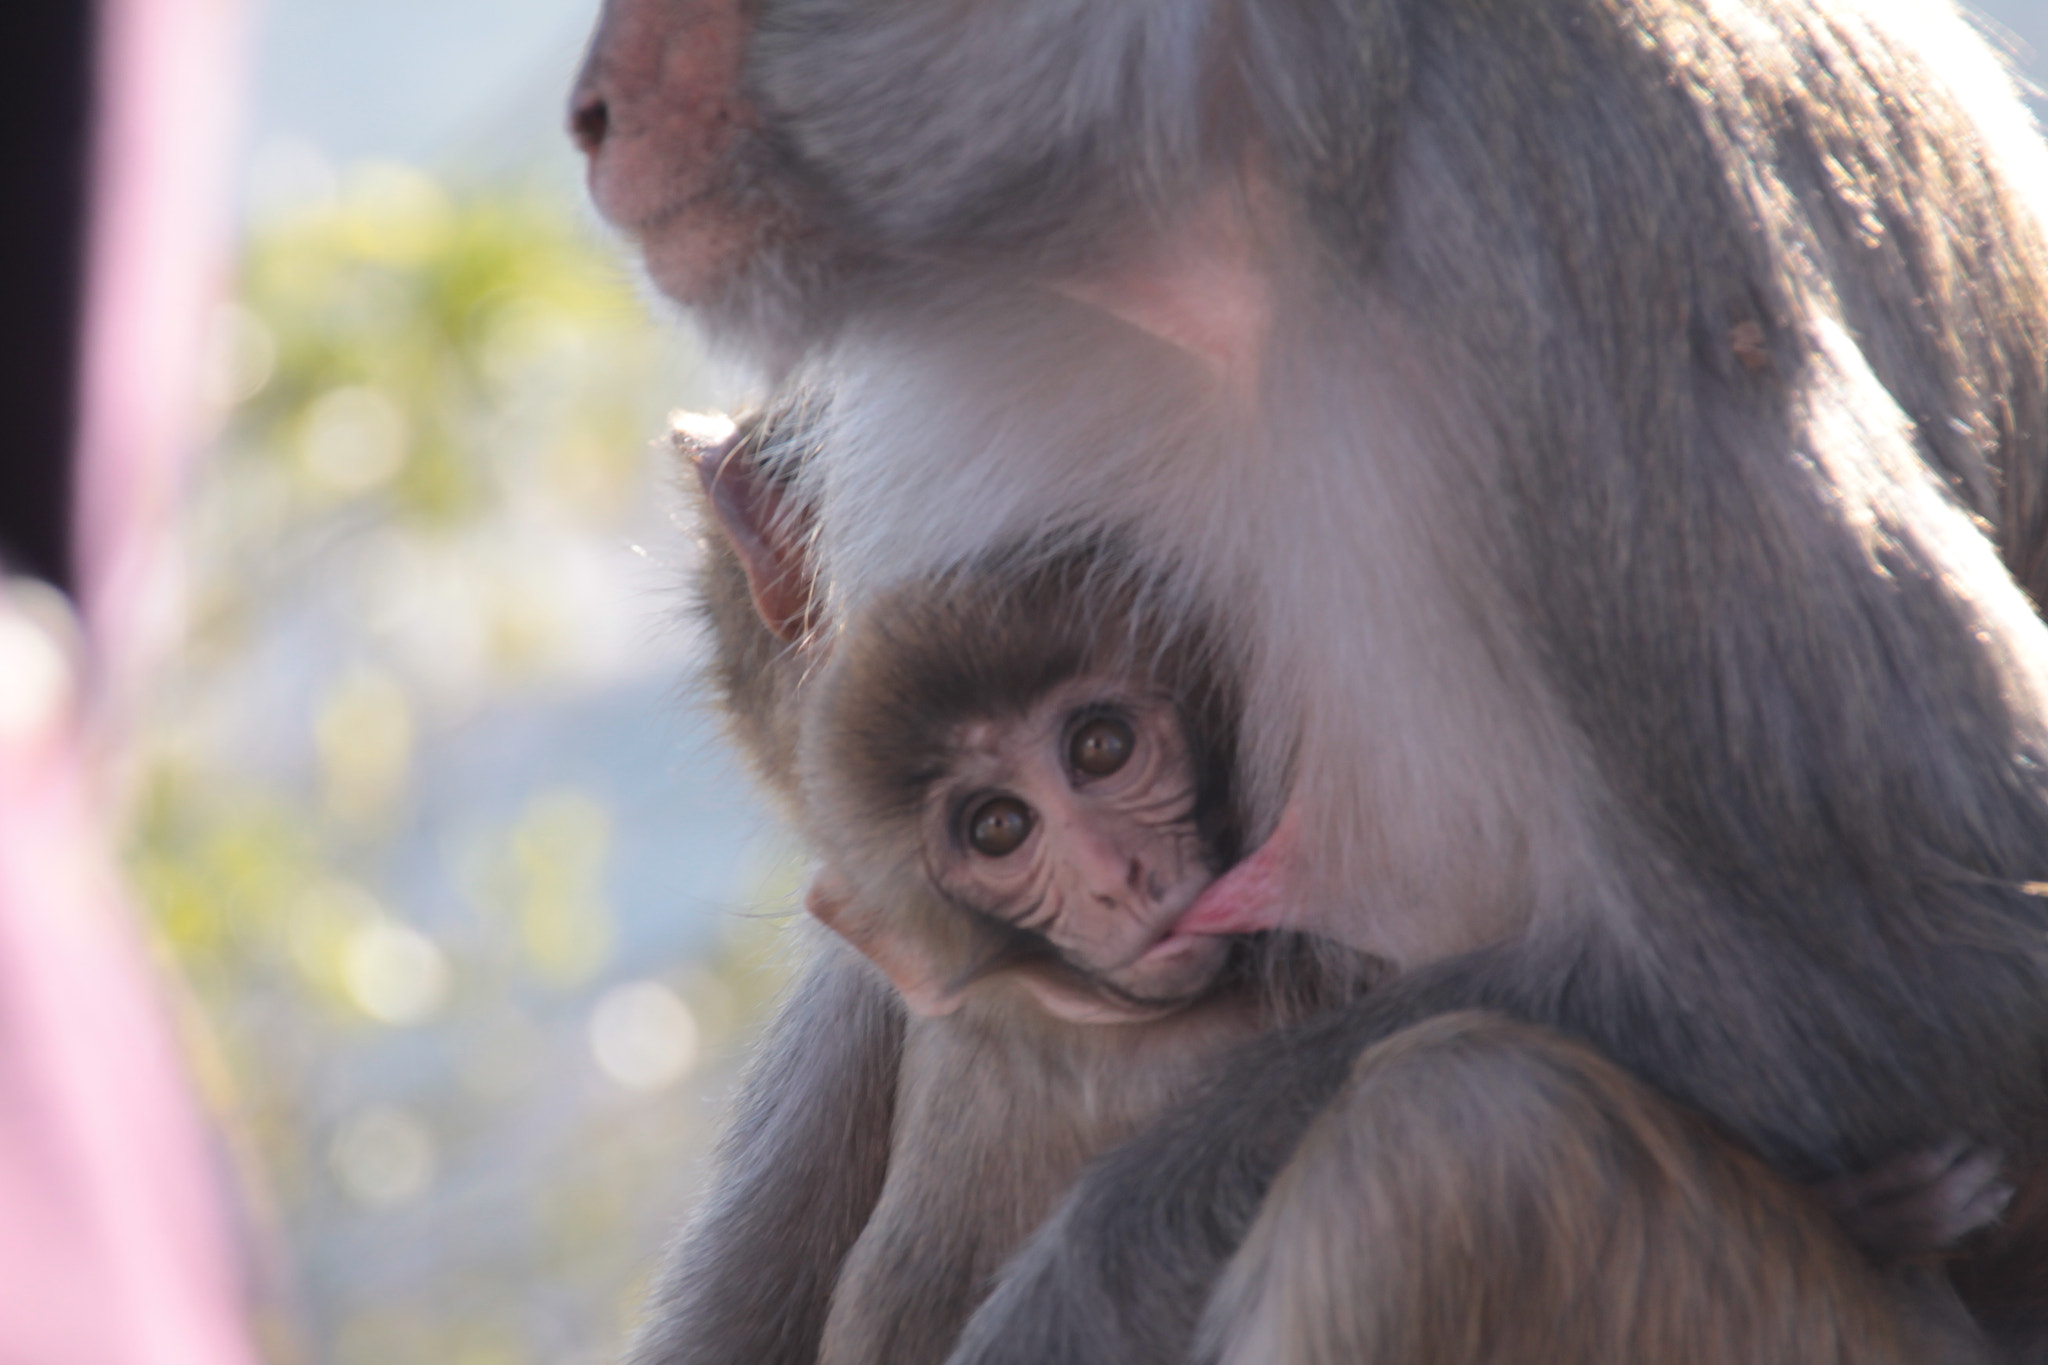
(1176, 953)
(1108, 866)
(1251, 897)
(1110, 863)
(656, 111)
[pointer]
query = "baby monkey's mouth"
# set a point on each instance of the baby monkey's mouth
(1009, 947)
(1288, 976)
(1292, 976)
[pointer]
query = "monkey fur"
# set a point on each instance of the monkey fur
(993, 1092)
(996, 1106)
(1614, 432)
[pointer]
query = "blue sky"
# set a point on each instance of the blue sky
(476, 83)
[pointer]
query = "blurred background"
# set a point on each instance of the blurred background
(470, 911)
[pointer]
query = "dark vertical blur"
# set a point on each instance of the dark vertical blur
(45, 134)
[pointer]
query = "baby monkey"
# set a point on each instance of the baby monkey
(1020, 771)
(1016, 772)
(1019, 785)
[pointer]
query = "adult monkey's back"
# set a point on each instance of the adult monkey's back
(1607, 419)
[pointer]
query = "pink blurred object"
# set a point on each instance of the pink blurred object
(114, 1245)
(169, 78)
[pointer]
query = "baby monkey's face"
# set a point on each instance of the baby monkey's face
(1077, 821)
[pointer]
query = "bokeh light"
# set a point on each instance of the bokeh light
(473, 906)
(643, 1036)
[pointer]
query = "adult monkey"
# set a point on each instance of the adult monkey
(1693, 1249)
(1607, 419)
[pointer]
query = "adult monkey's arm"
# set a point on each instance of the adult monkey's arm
(751, 1277)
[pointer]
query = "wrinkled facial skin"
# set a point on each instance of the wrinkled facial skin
(1076, 822)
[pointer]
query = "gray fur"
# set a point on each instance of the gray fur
(1635, 520)
(945, 1144)
(798, 1175)
(999, 1110)
(1092, 103)
(1491, 1171)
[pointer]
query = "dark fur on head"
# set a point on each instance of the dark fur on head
(887, 693)
(989, 643)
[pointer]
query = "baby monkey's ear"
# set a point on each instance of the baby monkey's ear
(903, 956)
(769, 538)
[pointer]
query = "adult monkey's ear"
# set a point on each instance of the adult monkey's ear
(912, 968)
(748, 503)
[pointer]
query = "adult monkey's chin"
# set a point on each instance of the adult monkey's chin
(700, 253)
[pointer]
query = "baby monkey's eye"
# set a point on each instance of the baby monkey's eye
(998, 826)
(1101, 746)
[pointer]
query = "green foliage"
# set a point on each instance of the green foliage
(471, 1118)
